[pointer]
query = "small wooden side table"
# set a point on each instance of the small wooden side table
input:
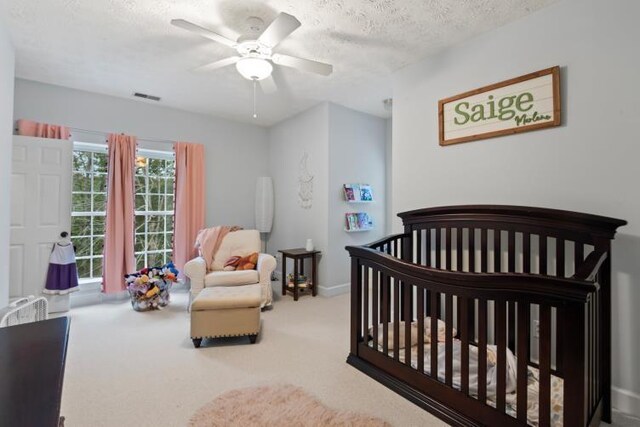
(298, 256)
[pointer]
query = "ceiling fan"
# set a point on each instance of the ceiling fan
(255, 54)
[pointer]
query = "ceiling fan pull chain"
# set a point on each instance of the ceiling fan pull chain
(255, 114)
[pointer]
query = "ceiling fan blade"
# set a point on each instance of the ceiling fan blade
(268, 85)
(280, 28)
(303, 64)
(186, 25)
(218, 64)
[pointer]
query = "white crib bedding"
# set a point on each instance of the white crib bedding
(511, 383)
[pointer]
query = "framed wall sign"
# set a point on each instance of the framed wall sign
(525, 103)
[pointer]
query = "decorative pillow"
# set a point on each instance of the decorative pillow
(232, 263)
(248, 262)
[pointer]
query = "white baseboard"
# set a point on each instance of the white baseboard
(334, 290)
(625, 401)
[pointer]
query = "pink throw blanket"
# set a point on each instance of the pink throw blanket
(209, 240)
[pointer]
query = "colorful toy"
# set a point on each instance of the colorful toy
(149, 287)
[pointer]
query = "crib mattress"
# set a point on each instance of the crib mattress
(557, 384)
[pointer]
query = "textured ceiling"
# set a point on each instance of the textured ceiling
(118, 47)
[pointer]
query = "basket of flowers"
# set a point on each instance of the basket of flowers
(149, 287)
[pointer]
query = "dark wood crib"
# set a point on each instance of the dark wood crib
(533, 282)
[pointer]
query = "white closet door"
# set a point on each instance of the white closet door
(41, 178)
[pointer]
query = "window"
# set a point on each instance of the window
(88, 197)
(154, 203)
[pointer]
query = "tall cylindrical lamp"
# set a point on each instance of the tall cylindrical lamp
(264, 205)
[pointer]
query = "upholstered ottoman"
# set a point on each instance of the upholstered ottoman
(226, 311)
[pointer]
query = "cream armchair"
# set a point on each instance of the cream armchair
(240, 243)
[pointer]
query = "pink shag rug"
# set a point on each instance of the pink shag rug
(283, 405)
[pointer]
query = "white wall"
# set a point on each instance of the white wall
(7, 69)
(356, 155)
(288, 141)
(236, 153)
(588, 164)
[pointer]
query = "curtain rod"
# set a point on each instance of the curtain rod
(97, 132)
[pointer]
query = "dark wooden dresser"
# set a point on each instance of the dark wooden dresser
(32, 359)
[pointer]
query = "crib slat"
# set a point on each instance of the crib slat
(447, 247)
(427, 251)
(560, 257)
(524, 317)
(384, 314)
(365, 303)
(407, 292)
(545, 365)
(501, 343)
(512, 251)
(448, 361)
(464, 345)
(396, 320)
(526, 252)
(434, 334)
(420, 309)
(438, 247)
(482, 350)
(543, 255)
(459, 249)
(418, 247)
(472, 250)
(484, 252)
(511, 343)
(497, 255)
(375, 286)
(578, 255)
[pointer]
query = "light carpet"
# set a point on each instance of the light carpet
(283, 405)
(126, 368)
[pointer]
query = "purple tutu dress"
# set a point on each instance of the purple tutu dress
(62, 276)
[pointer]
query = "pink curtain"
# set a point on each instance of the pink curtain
(119, 258)
(189, 210)
(42, 130)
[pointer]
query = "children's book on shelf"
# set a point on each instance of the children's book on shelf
(352, 192)
(356, 221)
(365, 193)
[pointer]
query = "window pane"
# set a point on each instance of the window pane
(83, 246)
(81, 182)
(81, 202)
(80, 226)
(140, 220)
(100, 162)
(169, 223)
(98, 246)
(155, 242)
(84, 268)
(140, 262)
(99, 202)
(155, 223)
(156, 203)
(141, 170)
(169, 188)
(154, 260)
(170, 168)
(97, 267)
(168, 241)
(139, 245)
(156, 167)
(140, 185)
(98, 225)
(169, 206)
(81, 161)
(141, 202)
(100, 183)
(156, 185)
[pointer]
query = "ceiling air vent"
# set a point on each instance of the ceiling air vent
(145, 96)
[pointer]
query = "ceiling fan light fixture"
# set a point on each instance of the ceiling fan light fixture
(254, 68)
